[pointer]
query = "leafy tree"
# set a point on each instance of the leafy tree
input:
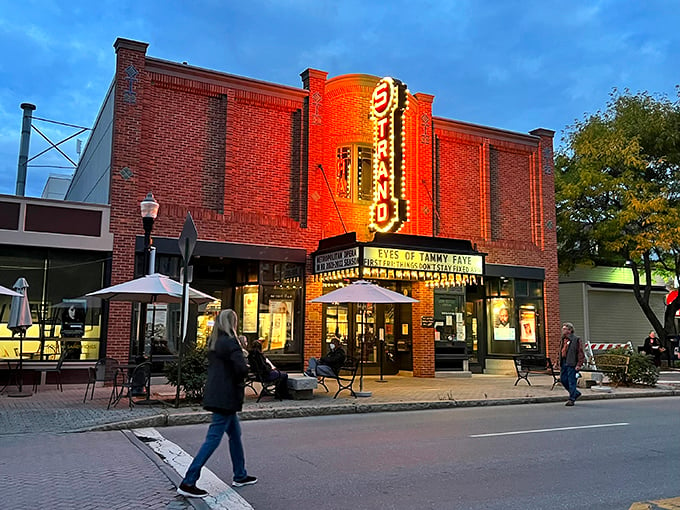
(617, 183)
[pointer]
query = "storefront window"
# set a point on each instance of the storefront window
(58, 281)
(205, 322)
(515, 321)
(535, 288)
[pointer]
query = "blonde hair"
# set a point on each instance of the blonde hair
(225, 322)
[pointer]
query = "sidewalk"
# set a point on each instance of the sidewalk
(50, 410)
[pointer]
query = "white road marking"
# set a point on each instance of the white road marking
(557, 429)
(222, 496)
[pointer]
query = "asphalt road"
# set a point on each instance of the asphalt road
(604, 454)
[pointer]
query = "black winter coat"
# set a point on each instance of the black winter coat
(227, 370)
(334, 359)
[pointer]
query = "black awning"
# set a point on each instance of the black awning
(399, 241)
(169, 246)
(399, 254)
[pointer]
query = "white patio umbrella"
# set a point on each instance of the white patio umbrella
(363, 292)
(19, 321)
(8, 292)
(151, 289)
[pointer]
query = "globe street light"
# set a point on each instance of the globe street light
(149, 209)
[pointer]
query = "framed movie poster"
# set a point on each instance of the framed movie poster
(250, 299)
(281, 313)
(73, 318)
(503, 320)
(527, 325)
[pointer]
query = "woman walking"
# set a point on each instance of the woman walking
(223, 396)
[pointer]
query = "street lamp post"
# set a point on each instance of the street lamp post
(149, 210)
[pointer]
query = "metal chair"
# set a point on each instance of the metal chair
(56, 370)
(103, 371)
(250, 382)
(132, 382)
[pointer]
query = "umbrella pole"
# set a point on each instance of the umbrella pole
(361, 392)
(20, 375)
(382, 357)
(147, 400)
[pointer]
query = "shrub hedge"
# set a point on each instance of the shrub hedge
(194, 372)
(641, 369)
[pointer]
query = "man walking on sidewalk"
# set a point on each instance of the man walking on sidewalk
(571, 361)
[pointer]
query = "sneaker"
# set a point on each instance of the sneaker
(191, 491)
(307, 373)
(569, 403)
(248, 480)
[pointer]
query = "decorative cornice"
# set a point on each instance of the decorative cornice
(348, 80)
(232, 217)
(129, 44)
(205, 79)
(496, 134)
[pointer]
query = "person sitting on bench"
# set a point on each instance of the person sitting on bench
(328, 365)
(266, 371)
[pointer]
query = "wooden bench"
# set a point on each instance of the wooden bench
(610, 364)
(345, 377)
(526, 364)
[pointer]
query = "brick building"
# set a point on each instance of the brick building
(295, 191)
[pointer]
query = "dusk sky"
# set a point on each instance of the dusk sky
(515, 65)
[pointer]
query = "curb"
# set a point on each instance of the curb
(169, 419)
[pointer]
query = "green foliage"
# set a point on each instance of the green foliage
(194, 372)
(641, 369)
(617, 183)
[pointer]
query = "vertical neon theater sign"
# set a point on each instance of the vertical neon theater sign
(388, 107)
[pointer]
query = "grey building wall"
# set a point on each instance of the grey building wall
(56, 187)
(600, 303)
(615, 316)
(91, 181)
(571, 305)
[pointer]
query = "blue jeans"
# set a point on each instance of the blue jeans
(568, 380)
(220, 425)
(321, 370)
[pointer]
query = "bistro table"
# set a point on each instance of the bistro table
(14, 370)
(12, 365)
(125, 373)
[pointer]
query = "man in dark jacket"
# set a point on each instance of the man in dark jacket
(223, 395)
(571, 361)
(328, 365)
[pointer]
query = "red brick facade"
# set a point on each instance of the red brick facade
(244, 157)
